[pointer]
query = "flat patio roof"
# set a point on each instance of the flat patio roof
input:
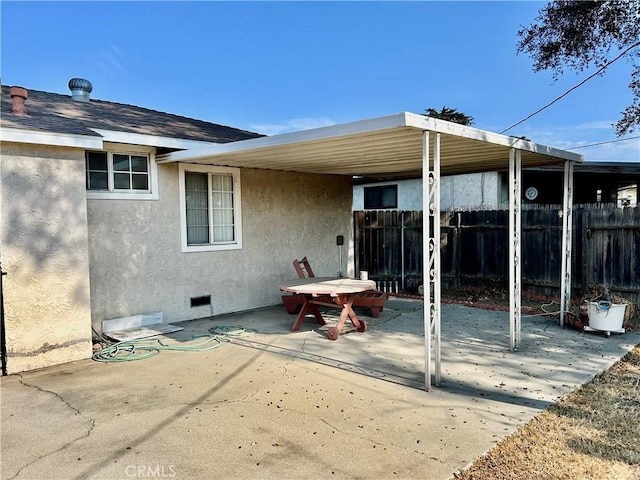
(408, 144)
(377, 146)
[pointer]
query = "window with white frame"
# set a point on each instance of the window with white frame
(210, 208)
(122, 175)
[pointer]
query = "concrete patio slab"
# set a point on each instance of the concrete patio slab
(277, 404)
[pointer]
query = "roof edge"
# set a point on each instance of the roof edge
(114, 136)
(17, 135)
(441, 126)
(321, 133)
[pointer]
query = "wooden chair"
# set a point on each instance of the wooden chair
(294, 302)
(303, 268)
(372, 299)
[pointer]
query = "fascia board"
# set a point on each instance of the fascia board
(149, 140)
(49, 138)
(465, 131)
(314, 134)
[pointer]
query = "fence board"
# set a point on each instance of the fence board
(606, 247)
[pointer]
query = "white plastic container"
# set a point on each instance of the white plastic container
(606, 319)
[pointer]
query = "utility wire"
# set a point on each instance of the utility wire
(602, 143)
(597, 72)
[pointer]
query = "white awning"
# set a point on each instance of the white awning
(378, 146)
(400, 145)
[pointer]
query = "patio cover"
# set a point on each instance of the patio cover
(407, 144)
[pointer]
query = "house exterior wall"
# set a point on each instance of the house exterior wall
(474, 191)
(44, 250)
(137, 265)
(469, 191)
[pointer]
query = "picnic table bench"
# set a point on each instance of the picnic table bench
(330, 292)
(372, 299)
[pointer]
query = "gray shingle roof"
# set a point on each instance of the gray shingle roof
(52, 112)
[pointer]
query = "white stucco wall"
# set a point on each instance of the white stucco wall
(469, 191)
(44, 250)
(137, 265)
(472, 191)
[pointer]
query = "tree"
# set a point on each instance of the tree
(450, 115)
(582, 34)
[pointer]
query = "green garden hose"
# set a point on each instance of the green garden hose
(129, 350)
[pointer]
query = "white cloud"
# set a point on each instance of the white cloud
(596, 125)
(110, 59)
(293, 125)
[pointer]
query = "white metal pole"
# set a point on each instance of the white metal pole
(402, 252)
(515, 228)
(518, 247)
(431, 256)
(436, 277)
(426, 234)
(512, 340)
(567, 240)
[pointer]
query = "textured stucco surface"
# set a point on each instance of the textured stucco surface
(137, 265)
(469, 191)
(44, 250)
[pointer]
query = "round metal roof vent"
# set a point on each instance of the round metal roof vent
(80, 89)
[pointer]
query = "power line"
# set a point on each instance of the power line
(602, 143)
(597, 72)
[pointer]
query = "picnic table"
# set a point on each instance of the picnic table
(331, 292)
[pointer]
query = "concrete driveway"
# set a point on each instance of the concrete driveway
(282, 405)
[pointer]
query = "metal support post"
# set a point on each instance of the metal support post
(435, 252)
(431, 256)
(402, 252)
(567, 240)
(515, 234)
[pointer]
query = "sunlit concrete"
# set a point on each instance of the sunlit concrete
(282, 404)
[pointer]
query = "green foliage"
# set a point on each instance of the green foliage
(450, 115)
(582, 34)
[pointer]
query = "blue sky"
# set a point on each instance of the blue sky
(274, 67)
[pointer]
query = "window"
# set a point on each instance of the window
(627, 194)
(381, 197)
(121, 175)
(210, 208)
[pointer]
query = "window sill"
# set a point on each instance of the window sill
(211, 248)
(91, 195)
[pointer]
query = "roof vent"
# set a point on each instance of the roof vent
(80, 89)
(19, 95)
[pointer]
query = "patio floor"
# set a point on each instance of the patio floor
(281, 404)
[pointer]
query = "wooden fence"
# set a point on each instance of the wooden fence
(474, 248)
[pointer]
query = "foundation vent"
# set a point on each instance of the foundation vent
(200, 301)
